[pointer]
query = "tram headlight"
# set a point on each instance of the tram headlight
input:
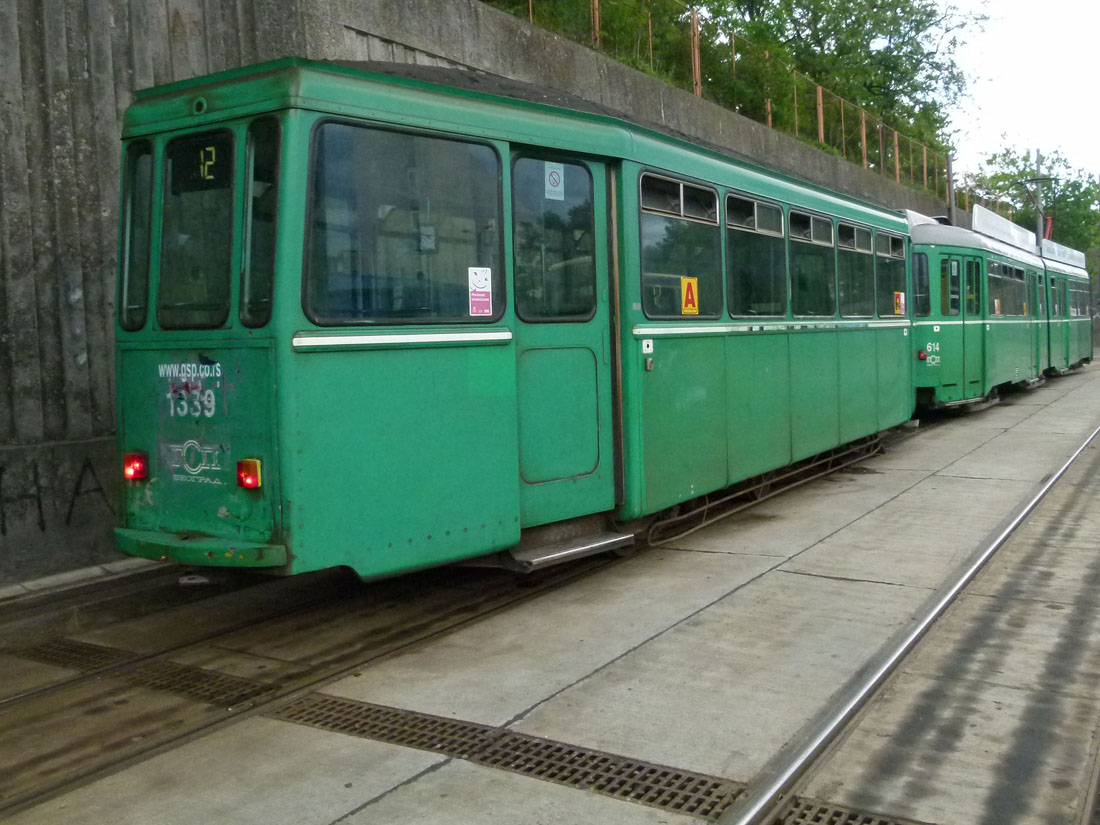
(249, 474)
(135, 466)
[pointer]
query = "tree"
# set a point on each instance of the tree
(1071, 200)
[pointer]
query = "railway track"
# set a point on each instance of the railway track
(117, 706)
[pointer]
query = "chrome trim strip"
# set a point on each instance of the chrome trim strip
(397, 338)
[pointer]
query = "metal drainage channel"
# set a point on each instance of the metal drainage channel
(619, 777)
(187, 681)
(809, 812)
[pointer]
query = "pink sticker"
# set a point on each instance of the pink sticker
(481, 290)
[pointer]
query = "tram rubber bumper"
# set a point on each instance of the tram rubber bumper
(210, 551)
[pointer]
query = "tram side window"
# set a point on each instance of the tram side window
(402, 229)
(681, 250)
(1055, 299)
(949, 286)
(197, 232)
(855, 270)
(133, 282)
(261, 202)
(890, 276)
(973, 288)
(553, 242)
(922, 299)
(813, 265)
(756, 258)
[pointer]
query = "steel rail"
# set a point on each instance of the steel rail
(767, 791)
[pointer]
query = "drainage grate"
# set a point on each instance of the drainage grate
(657, 786)
(399, 727)
(808, 812)
(75, 655)
(196, 683)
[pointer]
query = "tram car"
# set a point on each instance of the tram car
(993, 308)
(393, 318)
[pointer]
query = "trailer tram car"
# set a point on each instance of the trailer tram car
(383, 322)
(990, 312)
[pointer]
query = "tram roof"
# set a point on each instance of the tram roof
(321, 85)
(936, 233)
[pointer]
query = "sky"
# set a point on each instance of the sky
(1033, 81)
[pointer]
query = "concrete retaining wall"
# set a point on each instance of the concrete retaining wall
(69, 69)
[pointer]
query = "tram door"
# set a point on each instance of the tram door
(973, 330)
(563, 341)
(1038, 321)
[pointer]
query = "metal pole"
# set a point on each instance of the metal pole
(1038, 198)
(863, 134)
(951, 194)
(763, 794)
(794, 85)
(696, 71)
(897, 159)
(820, 117)
(596, 23)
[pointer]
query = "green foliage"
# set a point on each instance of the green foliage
(1072, 199)
(895, 60)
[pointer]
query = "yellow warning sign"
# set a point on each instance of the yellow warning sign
(689, 296)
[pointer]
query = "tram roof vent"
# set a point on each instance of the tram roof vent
(917, 218)
(994, 226)
(1057, 252)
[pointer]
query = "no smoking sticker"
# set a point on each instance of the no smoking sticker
(555, 181)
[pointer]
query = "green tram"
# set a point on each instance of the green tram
(387, 322)
(989, 311)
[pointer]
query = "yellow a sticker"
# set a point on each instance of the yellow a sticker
(689, 296)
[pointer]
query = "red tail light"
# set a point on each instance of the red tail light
(248, 473)
(135, 466)
(922, 355)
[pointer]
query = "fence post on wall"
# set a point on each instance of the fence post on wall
(531, 12)
(911, 170)
(843, 133)
(881, 150)
(820, 117)
(925, 148)
(696, 72)
(794, 85)
(596, 23)
(863, 134)
(897, 159)
(733, 53)
(651, 41)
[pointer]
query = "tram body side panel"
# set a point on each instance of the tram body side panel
(758, 400)
(895, 383)
(400, 457)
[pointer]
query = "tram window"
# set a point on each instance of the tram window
(136, 221)
(949, 286)
(855, 271)
(681, 250)
(402, 229)
(1055, 299)
(553, 241)
(197, 232)
(813, 265)
(890, 276)
(922, 299)
(756, 258)
(973, 288)
(1040, 303)
(261, 202)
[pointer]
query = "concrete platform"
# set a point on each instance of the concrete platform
(710, 654)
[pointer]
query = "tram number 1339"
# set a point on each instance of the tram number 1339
(193, 403)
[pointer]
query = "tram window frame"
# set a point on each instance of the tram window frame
(891, 249)
(922, 285)
(812, 233)
(497, 281)
(250, 302)
(535, 311)
(950, 287)
(855, 271)
(135, 262)
(973, 287)
(763, 242)
(218, 311)
(662, 198)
